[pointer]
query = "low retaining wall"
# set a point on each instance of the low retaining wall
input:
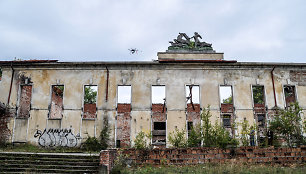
(191, 156)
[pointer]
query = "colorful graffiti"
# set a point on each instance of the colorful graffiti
(56, 137)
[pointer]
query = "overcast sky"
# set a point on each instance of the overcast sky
(104, 30)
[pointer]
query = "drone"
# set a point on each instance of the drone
(133, 50)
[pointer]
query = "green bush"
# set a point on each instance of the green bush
(92, 144)
(287, 125)
(177, 138)
(104, 135)
(141, 141)
(194, 136)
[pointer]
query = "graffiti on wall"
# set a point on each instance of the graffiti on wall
(56, 137)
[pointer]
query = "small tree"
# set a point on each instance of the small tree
(207, 133)
(245, 131)
(287, 124)
(194, 136)
(177, 138)
(104, 135)
(141, 140)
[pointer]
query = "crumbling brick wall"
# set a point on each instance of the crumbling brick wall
(5, 116)
(158, 115)
(89, 110)
(193, 113)
(56, 105)
(200, 155)
(25, 101)
(124, 124)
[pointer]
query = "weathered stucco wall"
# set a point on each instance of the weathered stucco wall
(141, 77)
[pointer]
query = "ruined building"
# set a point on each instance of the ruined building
(55, 103)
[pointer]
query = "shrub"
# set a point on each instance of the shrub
(194, 136)
(177, 138)
(141, 141)
(245, 131)
(287, 125)
(104, 135)
(91, 144)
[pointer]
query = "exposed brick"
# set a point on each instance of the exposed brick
(90, 110)
(25, 101)
(124, 124)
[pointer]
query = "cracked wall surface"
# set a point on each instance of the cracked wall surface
(142, 113)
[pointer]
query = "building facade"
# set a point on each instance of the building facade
(55, 103)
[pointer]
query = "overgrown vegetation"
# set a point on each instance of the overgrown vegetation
(258, 94)
(228, 100)
(287, 125)
(90, 96)
(177, 138)
(95, 144)
(244, 134)
(213, 168)
(141, 140)
(211, 135)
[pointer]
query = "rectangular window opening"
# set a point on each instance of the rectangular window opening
(193, 94)
(159, 125)
(158, 94)
(227, 120)
(124, 94)
(57, 102)
(189, 125)
(0, 73)
(289, 95)
(25, 101)
(258, 95)
(261, 120)
(90, 101)
(226, 96)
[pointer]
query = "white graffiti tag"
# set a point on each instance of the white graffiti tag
(56, 137)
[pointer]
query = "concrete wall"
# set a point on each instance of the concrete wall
(141, 76)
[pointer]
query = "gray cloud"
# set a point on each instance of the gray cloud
(95, 30)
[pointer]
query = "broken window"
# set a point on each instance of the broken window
(123, 118)
(158, 94)
(158, 116)
(189, 125)
(24, 101)
(226, 99)
(90, 101)
(258, 94)
(124, 94)
(56, 102)
(226, 96)
(261, 120)
(289, 95)
(193, 94)
(0, 73)
(227, 120)
(159, 125)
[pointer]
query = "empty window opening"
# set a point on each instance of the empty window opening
(158, 95)
(226, 96)
(0, 73)
(193, 94)
(124, 94)
(90, 101)
(118, 144)
(261, 120)
(258, 95)
(289, 95)
(227, 120)
(159, 133)
(25, 101)
(189, 125)
(159, 125)
(57, 101)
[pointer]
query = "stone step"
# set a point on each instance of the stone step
(49, 159)
(16, 162)
(76, 162)
(31, 170)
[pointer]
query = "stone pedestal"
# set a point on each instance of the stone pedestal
(189, 56)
